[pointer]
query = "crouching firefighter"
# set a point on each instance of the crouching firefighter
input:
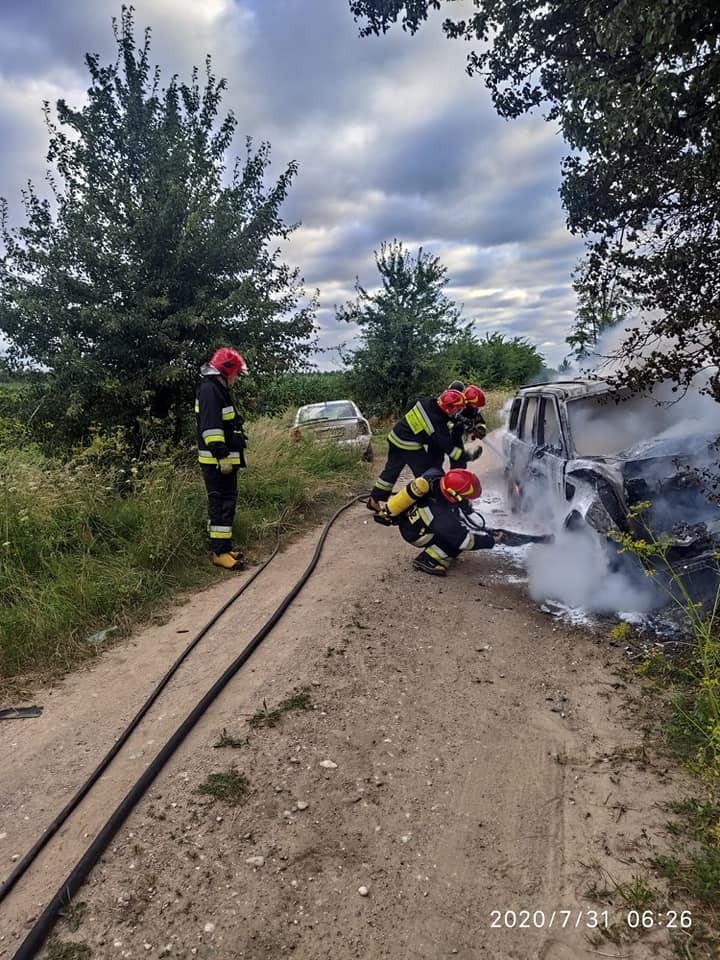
(428, 512)
(221, 450)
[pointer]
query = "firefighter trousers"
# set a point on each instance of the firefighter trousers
(222, 500)
(417, 460)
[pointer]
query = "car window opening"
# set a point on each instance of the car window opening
(551, 434)
(528, 418)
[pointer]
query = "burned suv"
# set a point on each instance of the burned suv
(580, 455)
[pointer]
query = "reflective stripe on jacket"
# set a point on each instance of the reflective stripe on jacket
(220, 433)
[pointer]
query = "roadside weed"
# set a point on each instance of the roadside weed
(230, 787)
(73, 914)
(270, 718)
(694, 676)
(636, 894)
(66, 950)
(225, 740)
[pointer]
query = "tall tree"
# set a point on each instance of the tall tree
(150, 254)
(404, 326)
(634, 89)
(601, 305)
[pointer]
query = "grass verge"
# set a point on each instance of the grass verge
(81, 553)
(687, 684)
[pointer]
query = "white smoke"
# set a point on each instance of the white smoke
(576, 571)
(581, 569)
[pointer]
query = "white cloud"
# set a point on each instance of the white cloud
(392, 138)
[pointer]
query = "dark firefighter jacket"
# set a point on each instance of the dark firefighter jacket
(220, 431)
(434, 519)
(426, 427)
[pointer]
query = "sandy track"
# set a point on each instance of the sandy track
(470, 733)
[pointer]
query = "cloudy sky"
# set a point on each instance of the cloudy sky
(392, 139)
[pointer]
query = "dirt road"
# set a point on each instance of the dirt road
(482, 765)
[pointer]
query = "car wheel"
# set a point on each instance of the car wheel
(369, 454)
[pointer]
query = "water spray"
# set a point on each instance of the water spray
(494, 449)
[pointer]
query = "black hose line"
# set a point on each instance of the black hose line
(75, 801)
(32, 944)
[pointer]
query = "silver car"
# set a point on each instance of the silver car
(335, 421)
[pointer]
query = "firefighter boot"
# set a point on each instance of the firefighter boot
(228, 561)
(428, 565)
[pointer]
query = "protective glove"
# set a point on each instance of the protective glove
(475, 454)
(384, 517)
(478, 432)
(225, 465)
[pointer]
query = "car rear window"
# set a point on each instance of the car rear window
(333, 410)
(340, 411)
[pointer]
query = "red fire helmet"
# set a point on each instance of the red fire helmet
(459, 485)
(474, 396)
(451, 401)
(228, 362)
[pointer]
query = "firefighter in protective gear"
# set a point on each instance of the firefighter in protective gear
(221, 450)
(420, 439)
(428, 514)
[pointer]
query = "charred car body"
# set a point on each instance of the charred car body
(587, 455)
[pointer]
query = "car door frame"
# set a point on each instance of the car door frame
(547, 464)
(518, 444)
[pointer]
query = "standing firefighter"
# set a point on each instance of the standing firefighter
(221, 445)
(420, 440)
(428, 513)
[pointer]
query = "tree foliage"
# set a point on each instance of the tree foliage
(493, 361)
(150, 254)
(404, 325)
(634, 89)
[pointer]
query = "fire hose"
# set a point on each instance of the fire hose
(508, 538)
(38, 933)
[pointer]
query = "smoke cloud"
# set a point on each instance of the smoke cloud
(644, 445)
(576, 571)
